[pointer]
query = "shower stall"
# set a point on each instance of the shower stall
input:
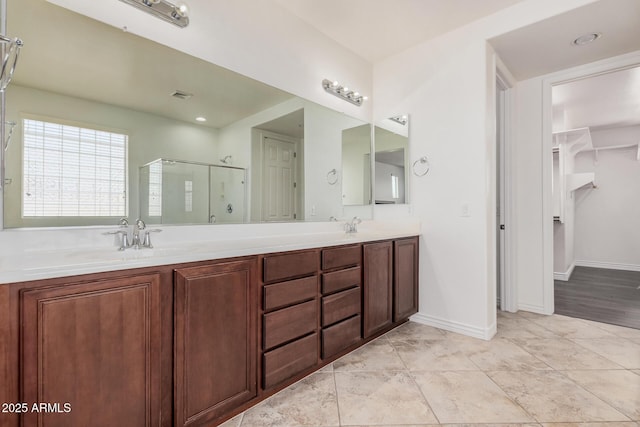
(182, 192)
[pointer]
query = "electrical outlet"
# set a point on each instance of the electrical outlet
(465, 210)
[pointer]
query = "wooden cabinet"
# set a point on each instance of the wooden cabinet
(215, 340)
(290, 315)
(405, 283)
(96, 346)
(188, 344)
(341, 299)
(378, 287)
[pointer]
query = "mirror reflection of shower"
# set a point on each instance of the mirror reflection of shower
(180, 192)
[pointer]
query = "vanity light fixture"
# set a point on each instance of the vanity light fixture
(586, 39)
(176, 14)
(403, 120)
(334, 88)
(201, 119)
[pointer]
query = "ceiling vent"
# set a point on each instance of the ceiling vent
(180, 94)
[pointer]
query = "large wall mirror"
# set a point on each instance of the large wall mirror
(110, 125)
(392, 160)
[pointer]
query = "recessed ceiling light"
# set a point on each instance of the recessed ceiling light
(586, 39)
(201, 119)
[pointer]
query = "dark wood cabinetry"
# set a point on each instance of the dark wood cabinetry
(341, 299)
(405, 278)
(215, 340)
(290, 315)
(378, 287)
(96, 346)
(194, 344)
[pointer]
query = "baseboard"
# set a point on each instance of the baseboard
(566, 275)
(532, 308)
(457, 327)
(609, 265)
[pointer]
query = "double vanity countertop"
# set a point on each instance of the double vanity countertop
(68, 252)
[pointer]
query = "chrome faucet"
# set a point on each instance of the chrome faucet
(138, 240)
(352, 226)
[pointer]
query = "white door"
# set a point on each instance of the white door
(278, 180)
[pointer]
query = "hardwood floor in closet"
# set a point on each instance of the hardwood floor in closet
(602, 295)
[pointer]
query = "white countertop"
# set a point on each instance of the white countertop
(54, 255)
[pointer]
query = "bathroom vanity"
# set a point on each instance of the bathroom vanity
(194, 343)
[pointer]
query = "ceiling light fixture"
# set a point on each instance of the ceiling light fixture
(586, 39)
(201, 119)
(176, 14)
(334, 88)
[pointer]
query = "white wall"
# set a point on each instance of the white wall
(259, 39)
(607, 219)
(150, 137)
(447, 85)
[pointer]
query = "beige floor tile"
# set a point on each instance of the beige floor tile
(507, 315)
(613, 424)
(620, 389)
(381, 398)
(620, 350)
(233, 422)
(569, 327)
(637, 371)
(327, 368)
(500, 354)
(492, 425)
(468, 397)
(551, 397)
(310, 402)
(619, 331)
(565, 354)
(414, 331)
(434, 355)
(375, 356)
(522, 328)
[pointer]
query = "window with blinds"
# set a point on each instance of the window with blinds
(73, 171)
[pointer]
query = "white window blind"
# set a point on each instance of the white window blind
(155, 189)
(73, 171)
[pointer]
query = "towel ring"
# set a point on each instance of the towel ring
(332, 176)
(417, 168)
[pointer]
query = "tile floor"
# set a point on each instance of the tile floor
(550, 371)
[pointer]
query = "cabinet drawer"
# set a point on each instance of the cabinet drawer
(289, 266)
(341, 257)
(290, 323)
(339, 306)
(339, 280)
(340, 336)
(283, 294)
(289, 360)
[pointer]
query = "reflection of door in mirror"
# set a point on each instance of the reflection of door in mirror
(356, 165)
(391, 160)
(277, 182)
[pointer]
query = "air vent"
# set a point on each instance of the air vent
(180, 94)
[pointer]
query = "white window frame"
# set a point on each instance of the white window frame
(84, 126)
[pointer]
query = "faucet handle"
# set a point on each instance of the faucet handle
(123, 223)
(147, 238)
(140, 224)
(125, 238)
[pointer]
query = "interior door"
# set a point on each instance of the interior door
(278, 180)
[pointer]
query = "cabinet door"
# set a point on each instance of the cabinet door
(377, 290)
(216, 340)
(405, 278)
(96, 347)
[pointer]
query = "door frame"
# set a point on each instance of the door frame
(593, 69)
(508, 287)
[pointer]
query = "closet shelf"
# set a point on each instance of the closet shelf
(575, 139)
(616, 147)
(577, 180)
